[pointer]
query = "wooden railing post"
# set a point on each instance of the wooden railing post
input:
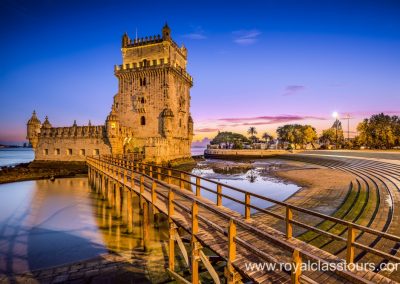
(296, 267)
(159, 173)
(195, 249)
(350, 247)
(231, 241)
(153, 192)
(151, 171)
(219, 195)
(141, 185)
(198, 188)
(289, 228)
(247, 206)
(181, 181)
(170, 204)
(143, 168)
(169, 177)
(171, 249)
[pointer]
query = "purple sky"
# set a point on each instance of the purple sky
(262, 64)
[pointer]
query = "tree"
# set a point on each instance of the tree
(380, 131)
(252, 131)
(333, 135)
(297, 134)
(229, 140)
(267, 137)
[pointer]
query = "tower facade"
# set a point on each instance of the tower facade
(150, 113)
(154, 96)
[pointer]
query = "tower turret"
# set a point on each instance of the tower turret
(33, 130)
(125, 40)
(112, 129)
(166, 32)
(167, 122)
(46, 124)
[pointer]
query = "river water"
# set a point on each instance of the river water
(13, 156)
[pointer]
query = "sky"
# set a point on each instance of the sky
(254, 63)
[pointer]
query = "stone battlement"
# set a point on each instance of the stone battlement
(151, 65)
(74, 131)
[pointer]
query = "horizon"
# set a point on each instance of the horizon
(263, 65)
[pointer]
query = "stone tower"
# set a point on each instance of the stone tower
(154, 96)
(150, 113)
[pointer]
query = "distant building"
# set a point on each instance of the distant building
(150, 113)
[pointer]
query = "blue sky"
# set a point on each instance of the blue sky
(261, 63)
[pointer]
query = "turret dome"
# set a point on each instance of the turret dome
(46, 123)
(33, 120)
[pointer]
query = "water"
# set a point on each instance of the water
(45, 224)
(197, 151)
(251, 176)
(13, 156)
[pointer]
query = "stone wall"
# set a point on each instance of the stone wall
(70, 148)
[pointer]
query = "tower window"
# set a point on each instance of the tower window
(46, 152)
(180, 122)
(96, 152)
(142, 120)
(57, 152)
(82, 152)
(69, 152)
(142, 100)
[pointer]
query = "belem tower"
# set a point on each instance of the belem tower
(150, 114)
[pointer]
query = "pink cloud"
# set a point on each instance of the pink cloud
(206, 130)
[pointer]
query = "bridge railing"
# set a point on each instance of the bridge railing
(196, 183)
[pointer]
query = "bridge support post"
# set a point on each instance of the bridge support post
(129, 211)
(117, 199)
(145, 237)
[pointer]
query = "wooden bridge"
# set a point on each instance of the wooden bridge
(243, 241)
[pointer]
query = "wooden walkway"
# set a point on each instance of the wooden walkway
(242, 241)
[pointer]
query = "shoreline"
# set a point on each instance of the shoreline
(42, 170)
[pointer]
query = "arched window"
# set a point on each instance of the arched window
(142, 100)
(180, 122)
(144, 81)
(142, 120)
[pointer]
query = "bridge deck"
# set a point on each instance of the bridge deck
(256, 242)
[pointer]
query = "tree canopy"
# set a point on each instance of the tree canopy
(229, 139)
(380, 131)
(297, 134)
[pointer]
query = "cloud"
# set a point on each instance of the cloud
(264, 120)
(206, 130)
(197, 34)
(293, 89)
(246, 37)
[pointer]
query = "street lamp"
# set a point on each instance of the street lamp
(335, 116)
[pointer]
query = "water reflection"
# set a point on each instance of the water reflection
(45, 223)
(251, 176)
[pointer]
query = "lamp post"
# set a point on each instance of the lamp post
(335, 116)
